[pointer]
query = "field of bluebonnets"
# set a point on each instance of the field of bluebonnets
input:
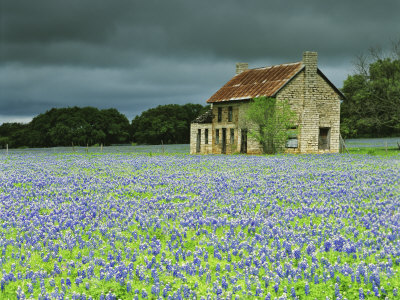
(175, 226)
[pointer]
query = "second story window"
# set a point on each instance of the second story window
(230, 114)
(219, 114)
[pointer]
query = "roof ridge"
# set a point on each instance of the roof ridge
(273, 66)
(260, 81)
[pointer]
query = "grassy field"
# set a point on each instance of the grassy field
(173, 226)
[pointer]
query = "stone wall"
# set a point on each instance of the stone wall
(328, 107)
(293, 92)
(316, 104)
(204, 148)
(224, 123)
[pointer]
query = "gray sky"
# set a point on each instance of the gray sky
(133, 55)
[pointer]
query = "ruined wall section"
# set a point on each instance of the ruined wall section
(224, 123)
(204, 148)
(293, 92)
(328, 107)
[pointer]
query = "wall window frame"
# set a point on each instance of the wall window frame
(219, 114)
(292, 138)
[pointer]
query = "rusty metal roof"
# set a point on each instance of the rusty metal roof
(257, 82)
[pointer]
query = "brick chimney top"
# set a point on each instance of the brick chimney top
(240, 67)
(310, 60)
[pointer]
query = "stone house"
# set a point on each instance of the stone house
(314, 99)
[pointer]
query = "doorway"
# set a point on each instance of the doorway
(223, 140)
(324, 137)
(243, 144)
(198, 140)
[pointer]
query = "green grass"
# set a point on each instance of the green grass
(390, 151)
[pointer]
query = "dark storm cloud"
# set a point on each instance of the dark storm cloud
(133, 55)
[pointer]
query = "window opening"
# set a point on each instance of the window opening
(198, 140)
(292, 141)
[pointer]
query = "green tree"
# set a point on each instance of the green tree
(64, 126)
(14, 134)
(167, 123)
(372, 105)
(269, 123)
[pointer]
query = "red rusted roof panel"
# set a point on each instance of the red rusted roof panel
(256, 82)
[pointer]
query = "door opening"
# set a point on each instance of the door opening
(243, 144)
(224, 140)
(324, 137)
(198, 140)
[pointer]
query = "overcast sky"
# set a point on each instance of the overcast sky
(133, 55)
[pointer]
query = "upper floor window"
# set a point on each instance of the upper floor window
(219, 114)
(230, 114)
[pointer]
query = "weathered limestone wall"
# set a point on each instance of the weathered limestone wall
(204, 148)
(230, 147)
(309, 129)
(316, 104)
(293, 92)
(328, 106)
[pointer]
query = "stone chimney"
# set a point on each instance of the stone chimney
(240, 67)
(310, 60)
(310, 117)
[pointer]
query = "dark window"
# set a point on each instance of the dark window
(206, 136)
(230, 114)
(219, 114)
(324, 137)
(216, 136)
(232, 136)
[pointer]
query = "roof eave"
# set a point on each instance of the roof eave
(229, 100)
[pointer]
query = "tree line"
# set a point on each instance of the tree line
(78, 126)
(372, 104)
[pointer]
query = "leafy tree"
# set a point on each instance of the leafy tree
(64, 126)
(115, 126)
(167, 123)
(372, 105)
(269, 121)
(10, 133)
